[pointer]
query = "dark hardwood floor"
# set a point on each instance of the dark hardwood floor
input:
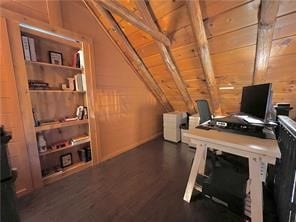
(144, 184)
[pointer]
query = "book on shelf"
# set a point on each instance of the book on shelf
(78, 59)
(80, 139)
(74, 62)
(80, 82)
(32, 49)
(26, 48)
(69, 119)
(38, 84)
(49, 122)
(81, 59)
(29, 48)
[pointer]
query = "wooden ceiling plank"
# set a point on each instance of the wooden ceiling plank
(129, 16)
(267, 19)
(54, 13)
(167, 57)
(128, 52)
(202, 42)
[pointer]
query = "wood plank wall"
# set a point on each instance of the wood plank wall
(128, 114)
(34, 9)
(10, 116)
(231, 28)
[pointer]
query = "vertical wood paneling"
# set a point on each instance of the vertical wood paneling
(54, 13)
(31, 8)
(128, 114)
(10, 116)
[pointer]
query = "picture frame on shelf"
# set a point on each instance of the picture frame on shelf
(66, 160)
(55, 57)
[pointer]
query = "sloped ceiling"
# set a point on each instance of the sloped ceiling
(231, 28)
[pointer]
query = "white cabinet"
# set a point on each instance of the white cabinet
(171, 125)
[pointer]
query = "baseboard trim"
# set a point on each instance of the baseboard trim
(130, 147)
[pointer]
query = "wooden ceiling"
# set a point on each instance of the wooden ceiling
(234, 52)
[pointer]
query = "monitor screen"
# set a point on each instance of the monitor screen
(256, 100)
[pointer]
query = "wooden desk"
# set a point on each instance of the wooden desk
(259, 152)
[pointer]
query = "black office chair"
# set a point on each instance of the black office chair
(204, 110)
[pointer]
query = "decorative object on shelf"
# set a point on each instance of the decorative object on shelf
(42, 145)
(38, 84)
(80, 112)
(55, 58)
(36, 121)
(66, 160)
(71, 85)
(60, 144)
(80, 82)
(80, 139)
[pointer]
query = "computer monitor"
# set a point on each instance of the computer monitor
(256, 100)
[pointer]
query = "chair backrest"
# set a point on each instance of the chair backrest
(204, 110)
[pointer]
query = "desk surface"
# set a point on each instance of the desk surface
(255, 145)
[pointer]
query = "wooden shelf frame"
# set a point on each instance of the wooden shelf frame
(55, 91)
(61, 125)
(45, 64)
(76, 167)
(64, 148)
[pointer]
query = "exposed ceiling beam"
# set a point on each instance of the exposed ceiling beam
(166, 56)
(267, 18)
(128, 52)
(130, 17)
(204, 53)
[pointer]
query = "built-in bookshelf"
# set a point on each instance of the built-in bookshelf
(57, 88)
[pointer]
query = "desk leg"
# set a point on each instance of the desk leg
(197, 166)
(256, 190)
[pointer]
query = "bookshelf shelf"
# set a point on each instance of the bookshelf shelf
(60, 125)
(64, 148)
(66, 172)
(54, 66)
(53, 91)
